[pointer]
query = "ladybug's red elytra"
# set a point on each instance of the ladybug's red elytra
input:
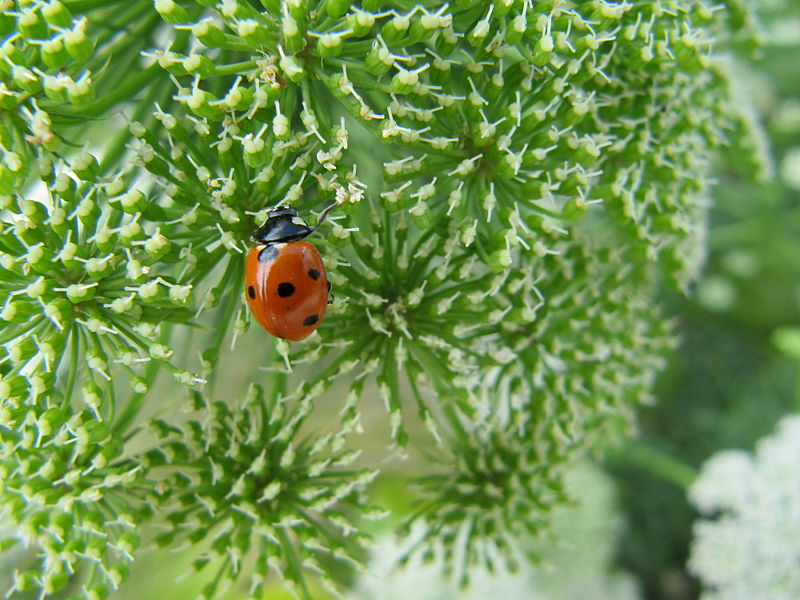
(285, 283)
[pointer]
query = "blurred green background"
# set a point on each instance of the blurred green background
(728, 383)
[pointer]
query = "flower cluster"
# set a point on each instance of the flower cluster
(485, 110)
(84, 286)
(483, 158)
(54, 79)
(502, 473)
(75, 497)
(248, 476)
(587, 535)
(747, 544)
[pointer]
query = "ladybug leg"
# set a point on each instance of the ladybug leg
(330, 296)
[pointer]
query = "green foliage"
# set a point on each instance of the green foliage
(510, 179)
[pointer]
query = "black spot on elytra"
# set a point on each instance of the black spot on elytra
(251, 291)
(285, 289)
(310, 320)
(268, 254)
(314, 274)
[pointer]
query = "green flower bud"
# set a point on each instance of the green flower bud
(360, 21)
(517, 28)
(35, 211)
(151, 291)
(422, 215)
(18, 310)
(88, 211)
(336, 8)
(379, 60)
(57, 87)
(12, 413)
(77, 292)
(79, 46)
(171, 12)
(404, 81)
(12, 387)
(209, 34)
(51, 421)
(97, 268)
(292, 34)
(52, 347)
(256, 34)
(40, 258)
(37, 288)
(26, 581)
(21, 349)
(238, 98)
(91, 432)
(198, 64)
(543, 50)
(292, 68)
(54, 54)
(86, 166)
(31, 25)
(130, 232)
(330, 44)
(25, 79)
(55, 13)
(574, 208)
(395, 28)
(9, 99)
(200, 103)
(132, 202)
(59, 310)
(181, 294)
(129, 542)
(160, 352)
(107, 453)
(478, 35)
(157, 246)
(71, 255)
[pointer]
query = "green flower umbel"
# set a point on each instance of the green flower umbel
(247, 479)
(484, 159)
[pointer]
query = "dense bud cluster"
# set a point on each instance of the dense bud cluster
(245, 476)
(74, 496)
(508, 176)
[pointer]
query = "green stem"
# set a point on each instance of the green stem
(74, 350)
(235, 68)
(656, 462)
(79, 6)
(119, 143)
(293, 563)
(229, 304)
(123, 92)
(132, 407)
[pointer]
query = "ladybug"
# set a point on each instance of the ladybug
(285, 283)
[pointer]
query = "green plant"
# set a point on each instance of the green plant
(508, 174)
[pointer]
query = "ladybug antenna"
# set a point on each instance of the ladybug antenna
(323, 217)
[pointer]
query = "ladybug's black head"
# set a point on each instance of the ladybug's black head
(283, 225)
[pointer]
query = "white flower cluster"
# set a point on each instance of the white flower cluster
(748, 546)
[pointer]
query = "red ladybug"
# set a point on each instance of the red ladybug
(285, 283)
